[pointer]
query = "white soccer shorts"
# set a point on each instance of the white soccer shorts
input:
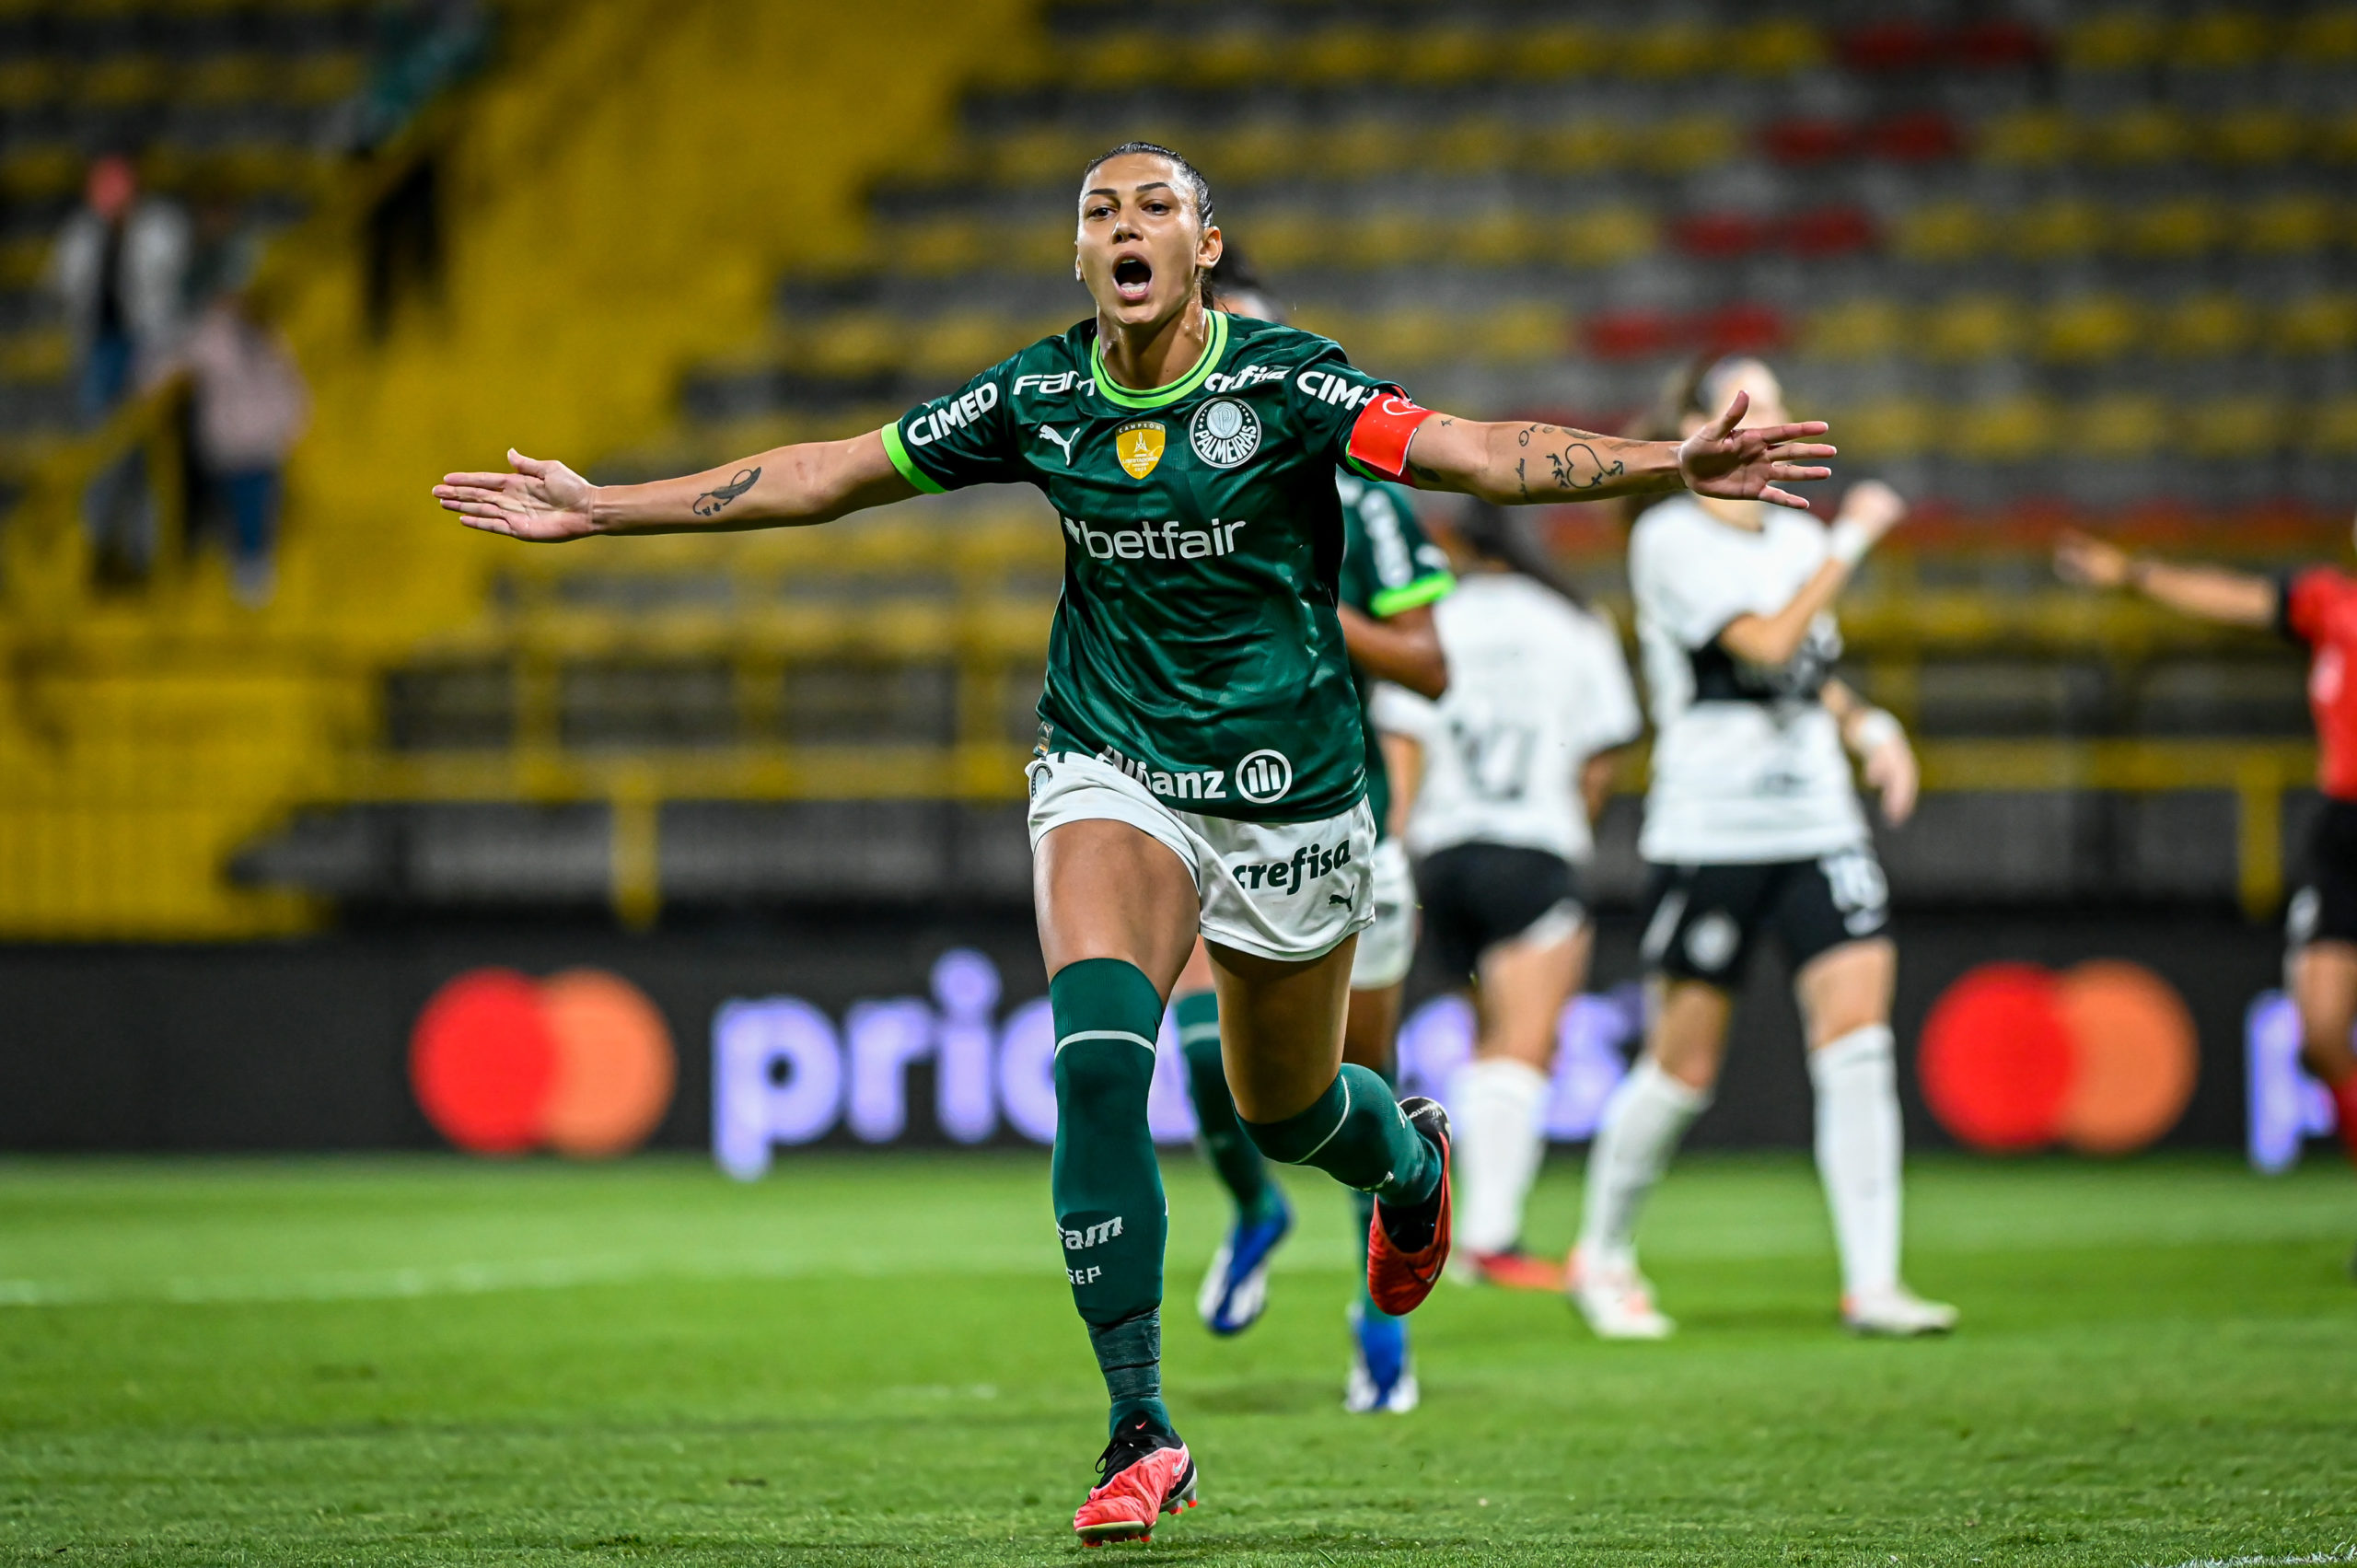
(1285, 890)
(1388, 946)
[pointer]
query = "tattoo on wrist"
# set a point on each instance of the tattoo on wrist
(711, 503)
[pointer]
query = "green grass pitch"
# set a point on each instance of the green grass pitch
(874, 1359)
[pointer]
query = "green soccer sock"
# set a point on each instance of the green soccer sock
(1355, 1133)
(1240, 1168)
(1363, 1209)
(1106, 1183)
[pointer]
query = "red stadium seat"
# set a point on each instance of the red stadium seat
(1720, 236)
(1830, 231)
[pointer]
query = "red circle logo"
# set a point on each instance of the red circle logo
(581, 1064)
(2102, 1057)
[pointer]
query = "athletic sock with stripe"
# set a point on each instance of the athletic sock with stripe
(1362, 1213)
(1106, 1183)
(1355, 1133)
(1239, 1165)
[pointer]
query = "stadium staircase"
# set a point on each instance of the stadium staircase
(2093, 269)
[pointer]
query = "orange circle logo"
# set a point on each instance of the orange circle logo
(581, 1062)
(2102, 1057)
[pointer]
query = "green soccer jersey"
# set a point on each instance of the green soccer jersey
(1195, 646)
(1388, 566)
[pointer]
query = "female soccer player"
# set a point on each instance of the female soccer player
(2316, 606)
(1200, 761)
(1519, 756)
(1390, 576)
(1752, 826)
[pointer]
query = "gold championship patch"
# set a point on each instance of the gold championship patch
(1139, 446)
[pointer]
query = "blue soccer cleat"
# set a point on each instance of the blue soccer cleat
(1236, 1287)
(1383, 1376)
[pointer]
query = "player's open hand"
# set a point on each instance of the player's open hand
(2088, 562)
(542, 500)
(1733, 464)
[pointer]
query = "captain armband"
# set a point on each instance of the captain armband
(1871, 729)
(1380, 440)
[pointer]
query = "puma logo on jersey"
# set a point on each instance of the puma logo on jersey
(1064, 441)
(1154, 541)
(1090, 1235)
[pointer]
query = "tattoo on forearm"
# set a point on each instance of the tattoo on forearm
(711, 503)
(1577, 465)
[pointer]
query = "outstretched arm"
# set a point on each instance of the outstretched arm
(2210, 592)
(548, 503)
(1526, 464)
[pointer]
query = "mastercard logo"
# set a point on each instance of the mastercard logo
(580, 1062)
(2100, 1057)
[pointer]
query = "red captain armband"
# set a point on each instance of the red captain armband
(1380, 440)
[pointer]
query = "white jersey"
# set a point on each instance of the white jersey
(1748, 763)
(1535, 687)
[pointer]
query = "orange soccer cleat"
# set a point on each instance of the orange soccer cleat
(1513, 1270)
(1147, 1474)
(1398, 1280)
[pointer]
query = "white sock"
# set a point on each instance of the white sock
(1857, 1149)
(1500, 1138)
(1642, 1123)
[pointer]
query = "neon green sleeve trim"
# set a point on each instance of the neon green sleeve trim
(1411, 596)
(898, 452)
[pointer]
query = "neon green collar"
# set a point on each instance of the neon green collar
(1214, 346)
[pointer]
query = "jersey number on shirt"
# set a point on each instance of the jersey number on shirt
(1497, 757)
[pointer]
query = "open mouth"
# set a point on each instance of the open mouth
(1132, 276)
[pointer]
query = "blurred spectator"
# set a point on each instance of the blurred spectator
(119, 265)
(249, 408)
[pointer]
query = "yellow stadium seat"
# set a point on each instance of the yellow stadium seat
(1387, 236)
(941, 247)
(1232, 57)
(2089, 329)
(951, 348)
(1027, 247)
(1041, 156)
(2220, 40)
(1446, 55)
(122, 79)
(2006, 430)
(1476, 144)
(2189, 226)
(1886, 430)
(1972, 327)
(2206, 325)
(1941, 231)
(1577, 147)
(1327, 322)
(2027, 139)
(2059, 228)
(40, 356)
(2257, 137)
(2113, 41)
(1666, 51)
(1856, 329)
(2296, 223)
(2319, 324)
(319, 78)
(1333, 55)
(1119, 57)
(1526, 332)
(1605, 237)
(1778, 47)
(2332, 428)
(27, 82)
(1563, 49)
(226, 79)
(2120, 425)
(1404, 339)
(1686, 143)
(2234, 427)
(1283, 241)
(2151, 134)
(1370, 146)
(2325, 36)
(23, 259)
(1499, 237)
(850, 342)
(40, 171)
(1254, 151)
(2334, 139)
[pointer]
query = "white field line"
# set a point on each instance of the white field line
(2338, 1554)
(479, 1279)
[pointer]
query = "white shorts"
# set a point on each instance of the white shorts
(1287, 890)
(1388, 946)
